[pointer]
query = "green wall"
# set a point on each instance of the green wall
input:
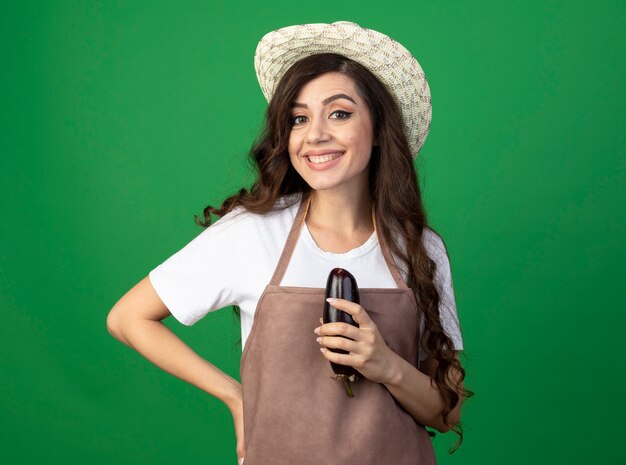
(121, 120)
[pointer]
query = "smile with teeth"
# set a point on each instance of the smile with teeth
(324, 158)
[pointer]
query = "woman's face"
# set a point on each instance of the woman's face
(331, 137)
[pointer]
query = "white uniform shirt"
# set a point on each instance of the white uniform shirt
(232, 261)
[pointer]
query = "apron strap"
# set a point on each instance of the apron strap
(294, 233)
(290, 244)
(391, 264)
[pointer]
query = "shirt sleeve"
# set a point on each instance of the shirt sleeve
(443, 280)
(198, 278)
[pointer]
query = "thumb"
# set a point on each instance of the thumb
(321, 320)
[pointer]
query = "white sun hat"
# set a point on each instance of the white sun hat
(387, 59)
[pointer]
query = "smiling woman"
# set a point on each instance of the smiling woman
(349, 110)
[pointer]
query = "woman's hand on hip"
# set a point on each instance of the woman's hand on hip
(236, 410)
(368, 352)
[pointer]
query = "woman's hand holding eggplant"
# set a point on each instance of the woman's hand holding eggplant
(368, 352)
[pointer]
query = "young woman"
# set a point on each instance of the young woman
(349, 109)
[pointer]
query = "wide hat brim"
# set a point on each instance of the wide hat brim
(387, 59)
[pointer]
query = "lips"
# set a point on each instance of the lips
(323, 160)
(324, 157)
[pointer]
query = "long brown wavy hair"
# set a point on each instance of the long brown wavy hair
(394, 188)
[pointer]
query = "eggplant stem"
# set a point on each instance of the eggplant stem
(347, 382)
(348, 386)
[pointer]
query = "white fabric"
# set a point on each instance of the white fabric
(232, 261)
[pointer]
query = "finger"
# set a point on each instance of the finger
(339, 329)
(357, 312)
(341, 359)
(338, 342)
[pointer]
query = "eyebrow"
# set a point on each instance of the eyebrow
(327, 100)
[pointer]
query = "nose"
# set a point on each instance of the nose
(317, 131)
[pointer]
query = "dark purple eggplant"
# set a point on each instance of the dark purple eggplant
(341, 285)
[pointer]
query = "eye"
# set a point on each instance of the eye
(341, 114)
(298, 119)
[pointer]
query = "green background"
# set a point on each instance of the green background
(122, 120)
